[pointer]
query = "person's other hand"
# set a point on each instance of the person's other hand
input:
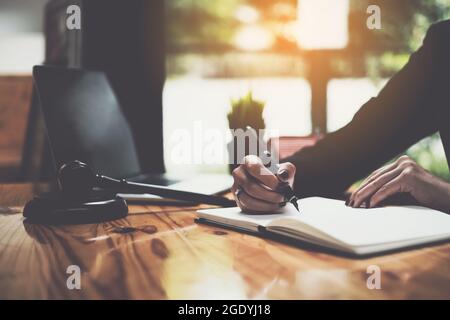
(254, 187)
(402, 176)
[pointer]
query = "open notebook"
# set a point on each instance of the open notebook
(330, 223)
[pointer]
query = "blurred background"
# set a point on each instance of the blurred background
(292, 54)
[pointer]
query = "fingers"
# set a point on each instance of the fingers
(255, 168)
(389, 189)
(364, 195)
(373, 176)
(401, 161)
(259, 185)
(286, 172)
(383, 183)
(234, 188)
(251, 205)
(253, 187)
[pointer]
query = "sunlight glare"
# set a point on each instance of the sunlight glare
(247, 14)
(322, 24)
(253, 38)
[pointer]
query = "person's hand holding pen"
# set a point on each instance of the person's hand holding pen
(255, 186)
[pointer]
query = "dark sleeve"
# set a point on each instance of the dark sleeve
(384, 127)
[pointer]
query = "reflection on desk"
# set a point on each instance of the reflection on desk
(161, 253)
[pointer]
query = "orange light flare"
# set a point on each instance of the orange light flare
(322, 24)
(254, 38)
(313, 25)
(246, 14)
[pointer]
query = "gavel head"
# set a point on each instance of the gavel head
(76, 180)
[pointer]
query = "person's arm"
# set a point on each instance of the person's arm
(384, 127)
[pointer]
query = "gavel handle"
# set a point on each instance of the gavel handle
(124, 186)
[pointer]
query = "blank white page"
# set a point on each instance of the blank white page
(364, 227)
(234, 215)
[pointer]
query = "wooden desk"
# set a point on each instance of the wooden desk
(171, 257)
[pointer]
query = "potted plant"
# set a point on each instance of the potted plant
(245, 111)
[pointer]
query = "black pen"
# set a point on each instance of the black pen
(284, 187)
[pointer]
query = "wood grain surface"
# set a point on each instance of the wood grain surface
(161, 253)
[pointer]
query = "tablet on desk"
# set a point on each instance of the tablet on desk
(204, 183)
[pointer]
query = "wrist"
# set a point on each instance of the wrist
(441, 199)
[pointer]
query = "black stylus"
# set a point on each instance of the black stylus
(123, 186)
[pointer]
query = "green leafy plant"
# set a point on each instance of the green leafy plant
(246, 111)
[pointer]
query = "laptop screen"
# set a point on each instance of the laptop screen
(84, 121)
